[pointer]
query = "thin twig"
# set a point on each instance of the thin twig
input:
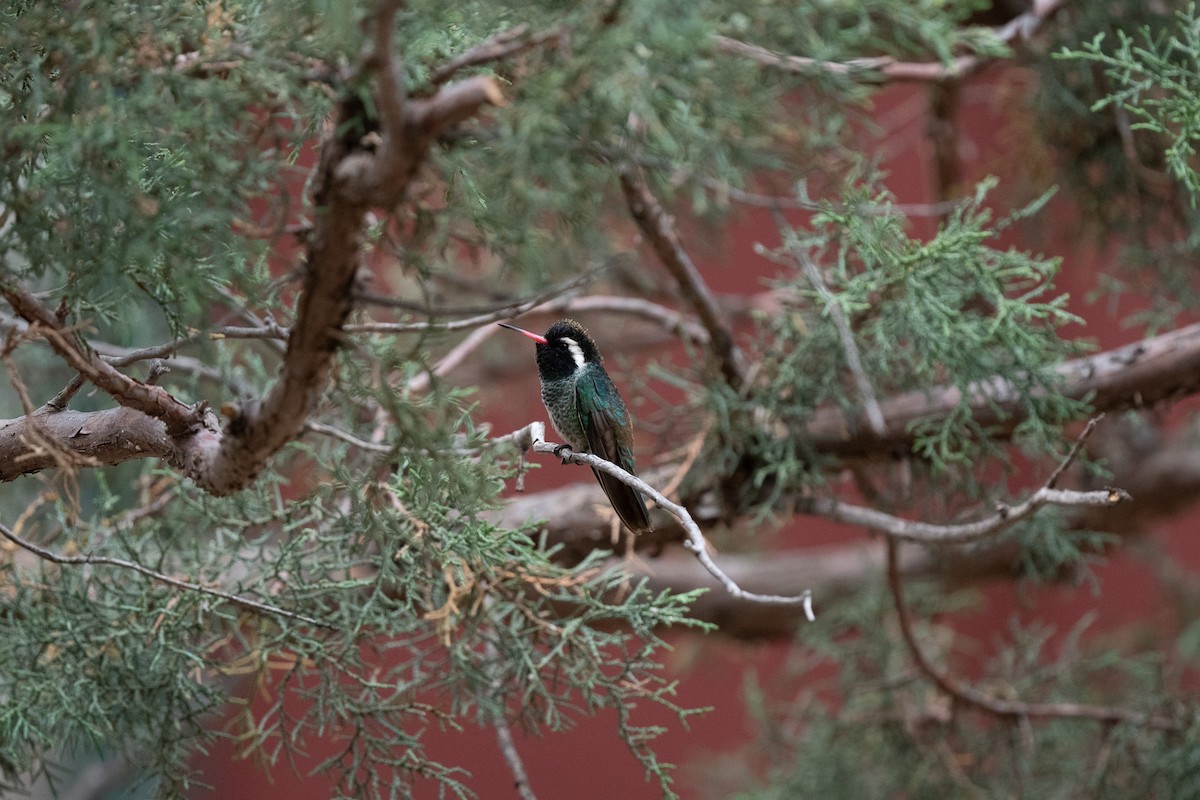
(1004, 517)
(457, 355)
(668, 318)
(672, 320)
(60, 400)
(504, 737)
(501, 312)
(840, 323)
(508, 749)
(244, 602)
(1074, 451)
(694, 542)
(1007, 709)
(889, 68)
(505, 44)
(337, 433)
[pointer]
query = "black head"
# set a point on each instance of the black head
(565, 348)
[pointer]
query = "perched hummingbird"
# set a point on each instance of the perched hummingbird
(587, 411)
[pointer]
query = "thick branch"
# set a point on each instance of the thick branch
(99, 437)
(348, 181)
(382, 177)
(1133, 376)
(152, 400)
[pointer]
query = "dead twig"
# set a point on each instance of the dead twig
(1004, 517)
(1014, 710)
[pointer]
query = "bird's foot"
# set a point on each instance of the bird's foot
(560, 449)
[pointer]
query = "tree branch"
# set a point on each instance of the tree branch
(505, 44)
(1132, 376)
(151, 400)
(1004, 517)
(349, 179)
(660, 231)
(694, 542)
(106, 437)
(1000, 707)
(887, 68)
(504, 737)
(840, 323)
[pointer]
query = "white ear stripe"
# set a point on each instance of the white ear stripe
(576, 351)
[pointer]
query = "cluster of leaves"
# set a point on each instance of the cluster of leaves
(138, 137)
(1116, 103)
(437, 618)
(951, 311)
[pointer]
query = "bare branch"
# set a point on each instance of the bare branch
(60, 400)
(245, 602)
(1004, 517)
(660, 231)
(878, 67)
(104, 437)
(1001, 707)
(508, 749)
(151, 400)
(695, 541)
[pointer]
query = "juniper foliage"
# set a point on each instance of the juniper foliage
(154, 182)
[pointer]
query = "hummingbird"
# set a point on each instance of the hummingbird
(587, 411)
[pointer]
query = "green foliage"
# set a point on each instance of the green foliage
(1117, 101)
(1156, 81)
(442, 619)
(952, 311)
(139, 136)
(155, 159)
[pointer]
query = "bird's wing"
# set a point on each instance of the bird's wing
(601, 415)
(600, 421)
